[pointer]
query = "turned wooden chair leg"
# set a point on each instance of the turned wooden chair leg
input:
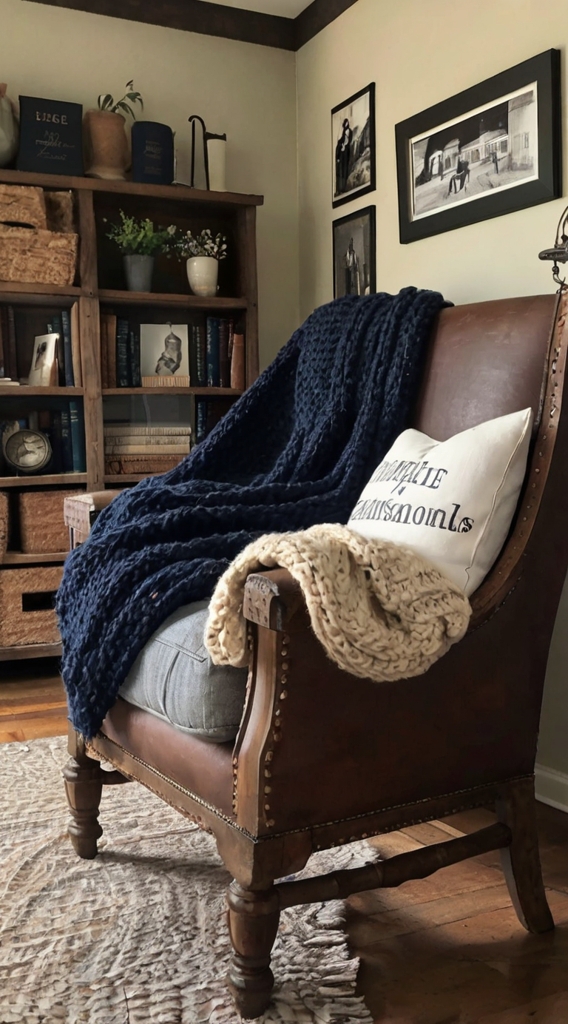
(521, 860)
(83, 784)
(253, 923)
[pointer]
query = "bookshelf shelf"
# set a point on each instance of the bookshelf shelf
(108, 328)
(48, 480)
(165, 300)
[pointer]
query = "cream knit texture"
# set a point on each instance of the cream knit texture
(379, 610)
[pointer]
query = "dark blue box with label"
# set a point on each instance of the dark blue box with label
(51, 139)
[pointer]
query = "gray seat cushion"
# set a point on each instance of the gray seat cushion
(174, 678)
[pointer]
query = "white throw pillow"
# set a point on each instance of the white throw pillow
(451, 501)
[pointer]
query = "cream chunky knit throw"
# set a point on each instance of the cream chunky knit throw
(379, 610)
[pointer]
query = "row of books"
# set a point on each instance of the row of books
(144, 448)
(64, 428)
(66, 368)
(208, 412)
(208, 352)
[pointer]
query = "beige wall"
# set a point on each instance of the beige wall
(419, 53)
(244, 90)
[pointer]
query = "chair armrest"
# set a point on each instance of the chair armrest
(80, 512)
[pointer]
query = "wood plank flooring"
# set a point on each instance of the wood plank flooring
(442, 950)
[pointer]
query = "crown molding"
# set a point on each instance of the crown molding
(218, 20)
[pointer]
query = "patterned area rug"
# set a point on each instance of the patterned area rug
(139, 934)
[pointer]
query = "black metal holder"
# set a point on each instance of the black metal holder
(559, 252)
(206, 136)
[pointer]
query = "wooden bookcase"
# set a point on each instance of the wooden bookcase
(100, 288)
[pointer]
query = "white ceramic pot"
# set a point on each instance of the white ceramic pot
(202, 273)
(8, 129)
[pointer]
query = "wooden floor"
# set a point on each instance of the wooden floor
(445, 950)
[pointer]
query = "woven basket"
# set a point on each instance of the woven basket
(36, 256)
(42, 526)
(20, 590)
(23, 204)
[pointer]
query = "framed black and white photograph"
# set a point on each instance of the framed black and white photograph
(164, 350)
(43, 369)
(353, 146)
(490, 150)
(354, 251)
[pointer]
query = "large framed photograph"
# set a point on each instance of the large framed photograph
(164, 351)
(353, 146)
(490, 150)
(354, 254)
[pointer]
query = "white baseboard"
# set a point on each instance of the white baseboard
(551, 787)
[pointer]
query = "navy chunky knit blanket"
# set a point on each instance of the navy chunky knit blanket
(295, 450)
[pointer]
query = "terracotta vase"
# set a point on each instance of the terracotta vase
(107, 145)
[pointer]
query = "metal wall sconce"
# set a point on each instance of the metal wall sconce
(559, 252)
(213, 156)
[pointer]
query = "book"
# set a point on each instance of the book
(108, 349)
(5, 382)
(148, 449)
(118, 464)
(198, 356)
(76, 345)
(145, 429)
(77, 437)
(200, 419)
(50, 424)
(225, 343)
(165, 381)
(66, 442)
(134, 356)
(2, 332)
(238, 361)
(10, 352)
(67, 353)
(212, 349)
(122, 353)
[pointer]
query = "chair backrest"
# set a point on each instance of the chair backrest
(488, 359)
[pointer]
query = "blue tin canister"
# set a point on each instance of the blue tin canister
(152, 153)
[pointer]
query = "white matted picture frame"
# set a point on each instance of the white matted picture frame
(353, 146)
(43, 368)
(354, 254)
(164, 350)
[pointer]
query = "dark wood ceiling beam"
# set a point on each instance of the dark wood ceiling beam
(194, 16)
(315, 17)
(218, 20)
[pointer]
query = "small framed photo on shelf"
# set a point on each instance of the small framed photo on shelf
(43, 369)
(164, 355)
(353, 146)
(490, 150)
(354, 254)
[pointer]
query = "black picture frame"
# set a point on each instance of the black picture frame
(353, 169)
(509, 109)
(361, 278)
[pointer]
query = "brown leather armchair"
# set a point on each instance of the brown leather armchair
(323, 758)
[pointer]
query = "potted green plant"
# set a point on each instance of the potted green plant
(107, 145)
(139, 242)
(202, 253)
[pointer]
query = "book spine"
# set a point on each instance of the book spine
(212, 335)
(66, 442)
(134, 353)
(238, 362)
(3, 335)
(148, 449)
(200, 419)
(122, 354)
(54, 433)
(225, 332)
(67, 351)
(104, 351)
(77, 437)
(12, 360)
(201, 356)
(131, 429)
(111, 348)
(140, 463)
(193, 377)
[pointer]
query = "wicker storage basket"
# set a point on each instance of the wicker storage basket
(26, 596)
(42, 526)
(36, 256)
(23, 204)
(3, 523)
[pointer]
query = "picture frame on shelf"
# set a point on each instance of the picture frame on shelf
(353, 146)
(490, 150)
(354, 253)
(164, 353)
(43, 368)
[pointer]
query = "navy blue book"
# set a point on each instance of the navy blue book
(66, 442)
(123, 379)
(50, 136)
(200, 419)
(212, 349)
(134, 356)
(77, 437)
(67, 351)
